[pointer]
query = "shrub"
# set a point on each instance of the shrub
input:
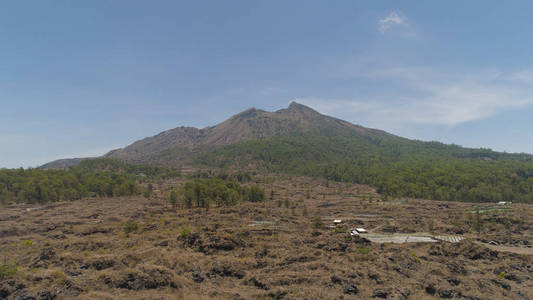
(130, 227)
(59, 276)
(147, 194)
(340, 230)
(185, 232)
(363, 250)
(174, 198)
(317, 222)
(8, 270)
(413, 255)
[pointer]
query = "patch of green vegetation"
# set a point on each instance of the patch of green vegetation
(27, 242)
(8, 270)
(130, 226)
(363, 250)
(317, 222)
(204, 191)
(501, 275)
(394, 166)
(340, 230)
(413, 255)
(102, 177)
(58, 276)
(185, 232)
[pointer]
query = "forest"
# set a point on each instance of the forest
(395, 167)
(204, 192)
(91, 178)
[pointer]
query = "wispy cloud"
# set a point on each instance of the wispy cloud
(432, 97)
(395, 18)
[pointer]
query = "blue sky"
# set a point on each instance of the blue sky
(79, 78)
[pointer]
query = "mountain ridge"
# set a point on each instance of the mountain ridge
(175, 146)
(252, 124)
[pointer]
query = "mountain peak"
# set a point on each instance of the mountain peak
(300, 108)
(297, 106)
(249, 113)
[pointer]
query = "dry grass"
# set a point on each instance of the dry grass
(137, 248)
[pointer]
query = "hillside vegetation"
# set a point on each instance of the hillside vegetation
(93, 177)
(396, 167)
(299, 140)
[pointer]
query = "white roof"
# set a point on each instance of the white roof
(337, 221)
(360, 230)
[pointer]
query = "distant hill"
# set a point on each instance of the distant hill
(299, 140)
(63, 163)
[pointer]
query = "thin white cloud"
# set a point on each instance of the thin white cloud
(395, 18)
(431, 97)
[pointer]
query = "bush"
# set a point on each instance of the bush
(130, 227)
(174, 198)
(363, 250)
(147, 193)
(185, 232)
(340, 230)
(8, 270)
(317, 222)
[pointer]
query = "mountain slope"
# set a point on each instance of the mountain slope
(298, 140)
(63, 163)
(253, 124)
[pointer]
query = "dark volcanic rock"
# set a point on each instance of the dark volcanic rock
(197, 276)
(147, 277)
(227, 270)
(46, 295)
(380, 294)
(350, 289)
(47, 254)
(446, 294)
(102, 263)
(255, 282)
(430, 289)
(502, 284)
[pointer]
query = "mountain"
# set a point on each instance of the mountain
(176, 145)
(299, 140)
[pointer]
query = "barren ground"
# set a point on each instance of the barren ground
(80, 250)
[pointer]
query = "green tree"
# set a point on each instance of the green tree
(174, 198)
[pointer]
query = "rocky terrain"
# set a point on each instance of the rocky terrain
(286, 248)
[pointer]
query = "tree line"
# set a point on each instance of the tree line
(91, 178)
(394, 166)
(205, 192)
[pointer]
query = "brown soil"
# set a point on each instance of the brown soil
(80, 250)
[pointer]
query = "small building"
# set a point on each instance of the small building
(502, 203)
(361, 230)
(337, 222)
